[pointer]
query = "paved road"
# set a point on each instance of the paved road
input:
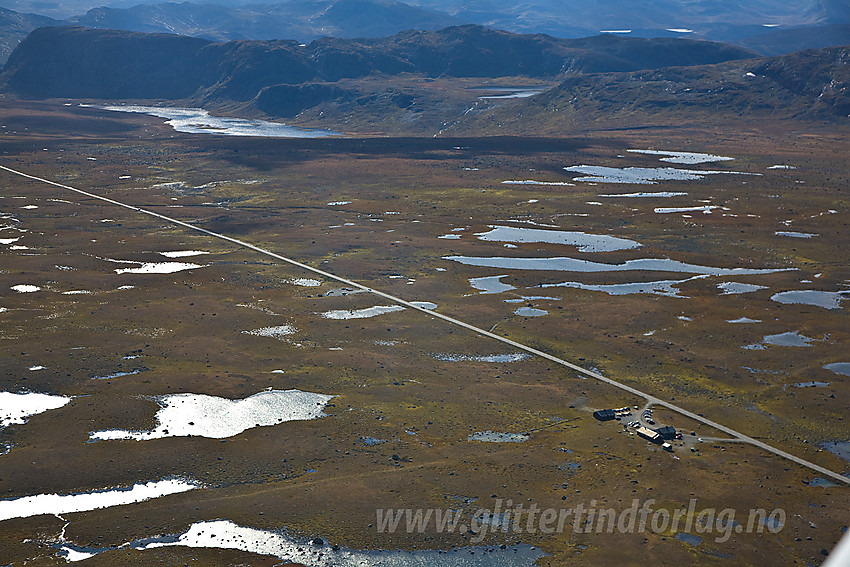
(650, 399)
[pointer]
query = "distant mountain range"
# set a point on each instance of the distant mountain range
(553, 16)
(85, 63)
(303, 20)
(605, 78)
(768, 26)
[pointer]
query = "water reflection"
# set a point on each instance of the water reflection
(199, 121)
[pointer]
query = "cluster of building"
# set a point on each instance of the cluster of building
(659, 435)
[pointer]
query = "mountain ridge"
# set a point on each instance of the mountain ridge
(80, 62)
(766, 26)
(809, 85)
(303, 21)
(420, 81)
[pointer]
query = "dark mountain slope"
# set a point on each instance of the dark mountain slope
(304, 20)
(812, 84)
(474, 51)
(15, 26)
(238, 70)
(75, 62)
(820, 76)
(797, 39)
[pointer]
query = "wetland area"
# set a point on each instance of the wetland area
(169, 396)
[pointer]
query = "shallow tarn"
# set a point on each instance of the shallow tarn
(825, 299)
(641, 175)
(199, 121)
(662, 287)
(840, 448)
(789, 339)
(490, 284)
(565, 264)
(584, 241)
(842, 368)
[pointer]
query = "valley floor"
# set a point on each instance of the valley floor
(724, 293)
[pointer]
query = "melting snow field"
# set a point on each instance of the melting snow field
(224, 534)
(16, 408)
(361, 313)
(182, 415)
(792, 234)
(513, 357)
(533, 182)
(273, 332)
(158, 267)
(644, 195)
(494, 437)
(183, 253)
(733, 288)
(119, 374)
(26, 288)
(683, 158)
(199, 121)
(789, 339)
(66, 503)
(305, 282)
(584, 241)
(705, 209)
(532, 298)
(511, 93)
(530, 312)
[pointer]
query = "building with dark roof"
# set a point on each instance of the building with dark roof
(667, 432)
(604, 415)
